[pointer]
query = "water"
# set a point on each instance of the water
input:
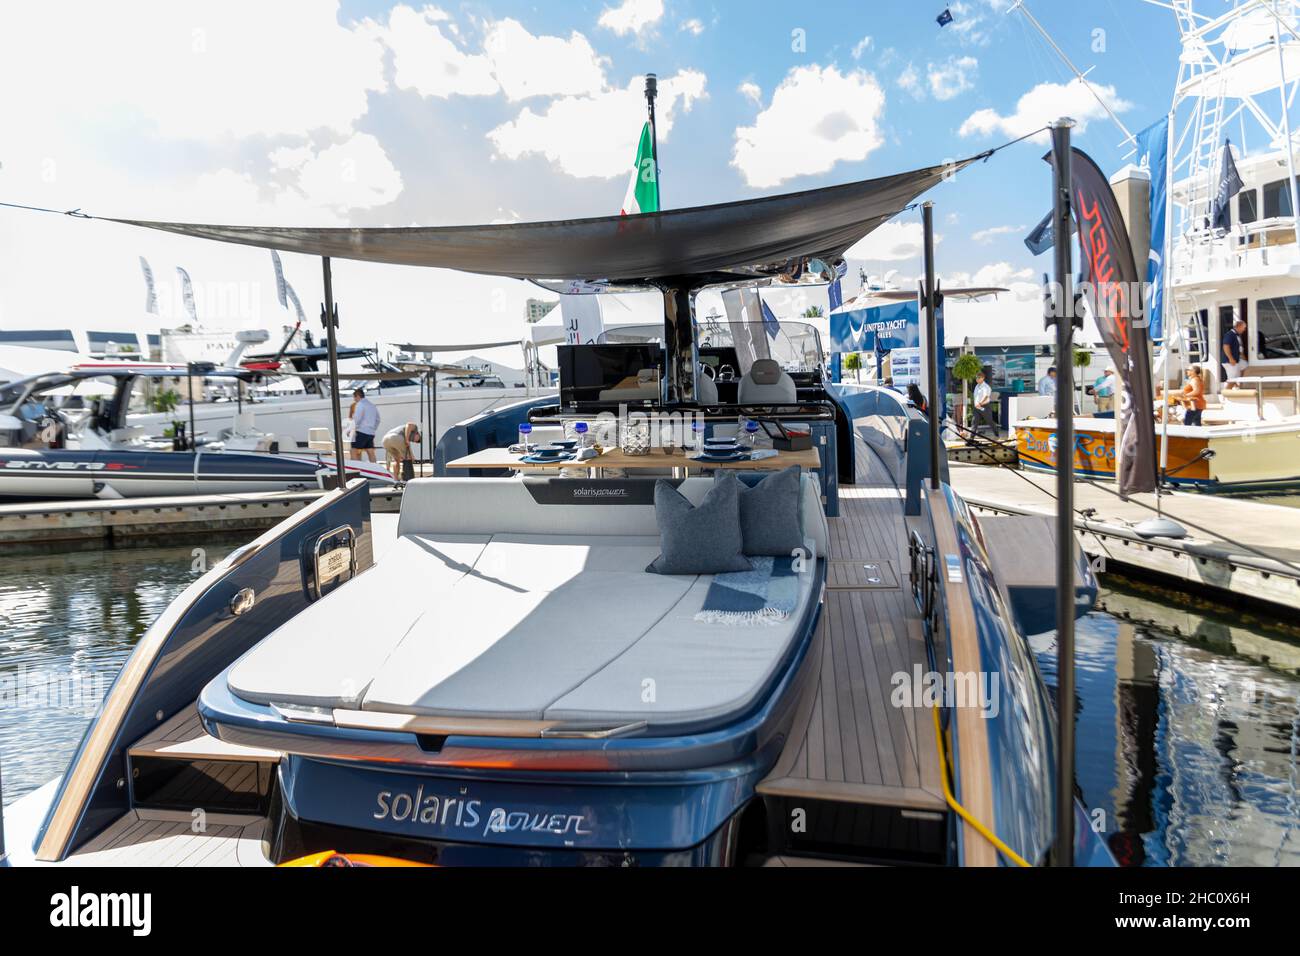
(1187, 716)
(68, 621)
(1188, 728)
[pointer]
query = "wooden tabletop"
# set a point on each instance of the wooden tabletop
(617, 458)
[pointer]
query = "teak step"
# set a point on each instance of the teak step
(183, 738)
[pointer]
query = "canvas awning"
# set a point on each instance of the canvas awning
(754, 237)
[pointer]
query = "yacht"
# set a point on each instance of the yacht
(69, 434)
(536, 696)
(1236, 66)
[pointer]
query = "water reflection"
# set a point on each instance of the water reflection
(1186, 741)
(68, 621)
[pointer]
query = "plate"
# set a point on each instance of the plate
(545, 459)
(715, 456)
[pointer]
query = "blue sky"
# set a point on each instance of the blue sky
(374, 113)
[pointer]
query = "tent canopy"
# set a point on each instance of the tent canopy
(754, 237)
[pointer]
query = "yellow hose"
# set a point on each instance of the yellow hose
(961, 811)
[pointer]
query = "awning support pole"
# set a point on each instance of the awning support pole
(330, 319)
(936, 349)
(189, 388)
(1062, 186)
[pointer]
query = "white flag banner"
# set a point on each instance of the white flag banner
(583, 324)
(187, 294)
(151, 293)
(280, 291)
(293, 297)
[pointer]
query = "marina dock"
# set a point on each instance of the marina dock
(120, 520)
(1236, 549)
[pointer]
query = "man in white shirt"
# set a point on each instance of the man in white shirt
(365, 425)
(1047, 384)
(983, 403)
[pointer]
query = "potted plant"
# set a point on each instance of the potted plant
(965, 369)
(853, 363)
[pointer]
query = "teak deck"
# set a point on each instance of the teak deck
(853, 745)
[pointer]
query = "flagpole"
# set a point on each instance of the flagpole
(651, 92)
(1062, 187)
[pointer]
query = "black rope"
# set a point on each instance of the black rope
(75, 213)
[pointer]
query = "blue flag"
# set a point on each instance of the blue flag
(1152, 155)
(944, 18)
(1229, 186)
(770, 324)
(834, 292)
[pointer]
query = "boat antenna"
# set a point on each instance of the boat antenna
(651, 93)
(1061, 312)
(1082, 76)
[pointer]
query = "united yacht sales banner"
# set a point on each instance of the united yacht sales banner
(1115, 297)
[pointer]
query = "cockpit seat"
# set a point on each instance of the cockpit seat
(766, 383)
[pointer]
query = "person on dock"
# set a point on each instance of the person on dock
(1047, 384)
(1233, 347)
(1104, 390)
(1193, 397)
(397, 451)
(983, 403)
(365, 424)
(916, 398)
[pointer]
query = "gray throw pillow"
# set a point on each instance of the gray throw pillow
(771, 521)
(703, 539)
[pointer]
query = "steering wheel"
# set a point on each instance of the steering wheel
(726, 374)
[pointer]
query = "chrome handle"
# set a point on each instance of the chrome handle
(242, 602)
(591, 733)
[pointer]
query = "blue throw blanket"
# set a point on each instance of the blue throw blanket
(765, 595)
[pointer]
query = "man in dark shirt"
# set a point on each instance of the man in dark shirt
(1232, 361)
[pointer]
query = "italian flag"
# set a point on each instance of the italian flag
(643, 187)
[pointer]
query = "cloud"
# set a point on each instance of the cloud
(527, 65)
(632, 16)
(1002, 275)
(1043, 104)
(891, 242)
(355, 174)
(591, 136)
(235, 69)
(694, 26)
(909, 81)
(429, 62)
(512, 61)
(988, 235)
(807, 128)
(861, 47)
(951, 79)
(751, 91)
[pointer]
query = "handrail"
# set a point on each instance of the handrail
(974, 760)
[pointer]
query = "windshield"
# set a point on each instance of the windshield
(795, 345)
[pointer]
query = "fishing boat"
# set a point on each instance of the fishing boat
(68, 435)
(536, 695)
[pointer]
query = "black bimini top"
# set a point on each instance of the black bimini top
(753, 237)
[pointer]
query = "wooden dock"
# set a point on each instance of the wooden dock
(122, 520)
(1240, 550)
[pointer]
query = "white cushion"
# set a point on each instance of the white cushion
(326, 655)
(700, 672)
